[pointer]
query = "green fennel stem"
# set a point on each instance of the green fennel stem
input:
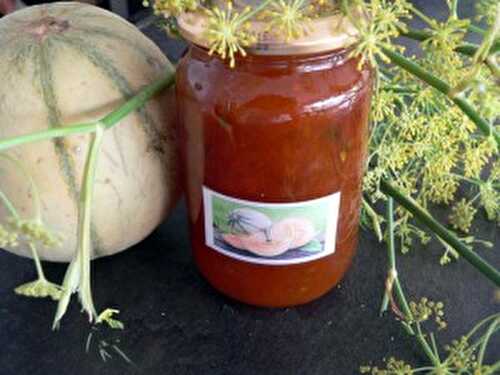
(481, 324)
(454, 8)
(256, 10)
(495, 70)
(468, 49)
(8, 205)
(374, 217)
(429, 21)
(84, 223)
(400, 297)
(139, 100)
(444, 88)
(43, 135)
(426, 347)
(70, 284)
(427, 220)
(38, 212)
(476, 29)
(78, 268)
(484, 345)
(38, 263)
(482, 342)
(391, 252)
(392, 272)
(494, 369)
(77, 276)
(434, 346)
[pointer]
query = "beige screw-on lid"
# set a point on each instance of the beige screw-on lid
(323, 34)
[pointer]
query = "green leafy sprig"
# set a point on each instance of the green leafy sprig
(77, 279)
(463, 356)
(31, 231)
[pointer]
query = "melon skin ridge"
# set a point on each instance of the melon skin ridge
(67, 63)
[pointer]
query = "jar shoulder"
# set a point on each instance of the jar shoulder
(278, 90)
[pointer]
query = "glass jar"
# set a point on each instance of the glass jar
(273, 154)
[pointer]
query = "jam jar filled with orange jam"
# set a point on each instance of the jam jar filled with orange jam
(273, 153)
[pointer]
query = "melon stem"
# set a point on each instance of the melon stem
(81, 262)
(267, 233)
(84, 232)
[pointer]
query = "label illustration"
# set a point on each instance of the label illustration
(271, 233)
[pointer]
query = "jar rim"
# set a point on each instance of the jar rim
(323, 34)
(341, 55)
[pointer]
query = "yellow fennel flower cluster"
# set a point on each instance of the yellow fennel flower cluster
(378, 22)
(288, 18)
(425, 144)
(228, 32)
(486, 9)
(172, 7)
(393, 366)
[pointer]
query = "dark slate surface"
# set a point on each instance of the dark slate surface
(177, 324)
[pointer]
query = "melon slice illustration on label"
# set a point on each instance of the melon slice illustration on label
(302, 228)
(249, 221)
(234, 240)
(270, 233)
(281, 238)
(284, 235)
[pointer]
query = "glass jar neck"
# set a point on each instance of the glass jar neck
(306, 62)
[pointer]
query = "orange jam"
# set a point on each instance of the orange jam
(274, 129)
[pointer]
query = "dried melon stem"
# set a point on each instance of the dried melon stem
(47, 25)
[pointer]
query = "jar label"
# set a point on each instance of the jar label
(271, 233)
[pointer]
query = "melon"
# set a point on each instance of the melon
(234, 240)
(302, 229)
(67, 63)
(249, 220)
(280, 241)
(286, 234)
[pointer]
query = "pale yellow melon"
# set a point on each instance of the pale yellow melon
(67, 63)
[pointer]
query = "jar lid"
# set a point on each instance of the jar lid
(322, 34)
